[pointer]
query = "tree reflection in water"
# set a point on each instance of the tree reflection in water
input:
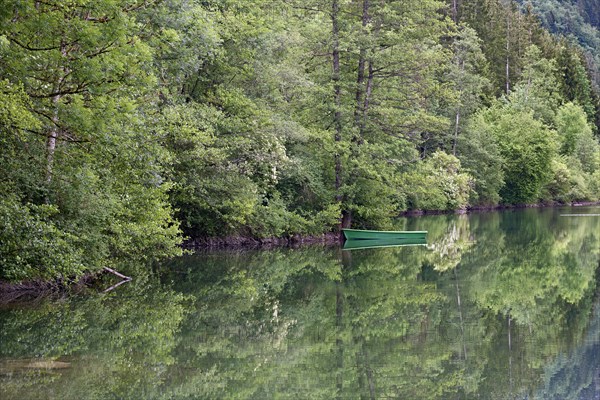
(498, 305)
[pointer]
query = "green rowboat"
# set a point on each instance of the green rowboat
(360, 234)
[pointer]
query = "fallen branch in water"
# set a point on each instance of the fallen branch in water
(124, 278)
(115, 286)
(120, 275)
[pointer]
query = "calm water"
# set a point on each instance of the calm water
(496, 306)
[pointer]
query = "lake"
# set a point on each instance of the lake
(499, 305)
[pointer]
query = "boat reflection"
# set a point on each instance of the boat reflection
(374, 243)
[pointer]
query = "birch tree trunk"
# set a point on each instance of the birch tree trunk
(54, 131)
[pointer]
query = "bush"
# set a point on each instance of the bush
(272, 219)
(566, 184)
(438, 184)
(31, 245)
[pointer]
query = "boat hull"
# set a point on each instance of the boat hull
(361, 234)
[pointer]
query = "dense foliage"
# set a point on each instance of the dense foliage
(123, 123)
(82, 184)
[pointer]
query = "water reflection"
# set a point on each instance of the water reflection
(109, 346)
(574, 373)
(379, 243)
(497, 305)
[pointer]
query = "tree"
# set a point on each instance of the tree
(526, 147)
(382, 106)
(466, 74)
(576, 22)
(232, 122)
(537, 89)
(86, 75)
(576, 137)
(480, 156)
(506, 33)
(438, 184)
(576, 85)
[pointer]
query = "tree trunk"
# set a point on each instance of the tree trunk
(461, 69)
(54, 131)
(367, 100)
(346, 219)
(360, 78)
(337, 93)
(455, 11)
(51, 140)
(456, 124)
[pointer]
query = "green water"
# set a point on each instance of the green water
(496, 306)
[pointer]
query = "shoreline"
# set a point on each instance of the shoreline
(333, 238)
(32, 292)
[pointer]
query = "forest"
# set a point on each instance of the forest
(127, 126)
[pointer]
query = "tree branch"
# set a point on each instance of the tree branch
(28, 47)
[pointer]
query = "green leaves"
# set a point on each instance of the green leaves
(576, 138)
(32, 245)
(523, 134)
(77, 140)
(439, 184)
(270, 117)
(537, 89)
(526, 147)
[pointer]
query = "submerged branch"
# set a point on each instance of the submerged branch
(120, 275)
(124, 278)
